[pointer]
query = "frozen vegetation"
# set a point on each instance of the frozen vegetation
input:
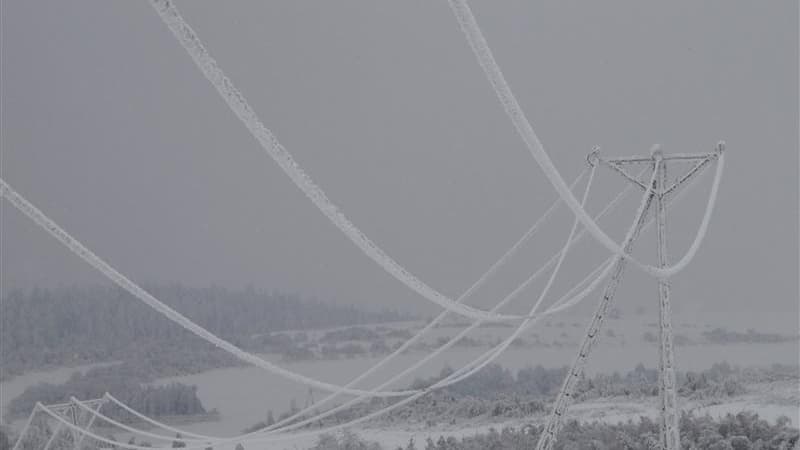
(44, 328)
(734, 432)
(495, 394)
(125, 382)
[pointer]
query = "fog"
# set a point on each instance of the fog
(109, 128)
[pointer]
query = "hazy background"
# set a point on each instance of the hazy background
(111, 130)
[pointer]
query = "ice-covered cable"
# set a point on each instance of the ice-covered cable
(566, 301)
(189, 434)
(4, 188)
(76, 247)
(508, 254)
(476, 285)
(239, 105)
(95, 261)
(123, 426)
(458, 376)
(432, 324)
(490, 355)
(608, 207)
(441, 383)
(569, 299)
(512, 108)
(112, 274)
(463, 373)
(711, 202)
(465, 331)
(556, 307)
(114, 444)
(84, 253)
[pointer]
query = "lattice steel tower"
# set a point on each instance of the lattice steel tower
(659, 191)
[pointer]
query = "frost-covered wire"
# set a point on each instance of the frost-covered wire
(239, 105)
(97, 437)
(442, 383)
(85, 254)
(561, 254)
(120, 425)
(462, 374)
(500, 348)
(112, 274)
(480, 281)
(409, 342)
(204, 438)
(482, 360)
(564, 301)
(88, 256)
(555, 308)
(433, 323)
(190, 435)
(494, 353)
(567, 300)
(512, 108)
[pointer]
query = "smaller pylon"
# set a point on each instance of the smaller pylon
(68, 411)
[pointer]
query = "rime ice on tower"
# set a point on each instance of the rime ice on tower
(658, 190)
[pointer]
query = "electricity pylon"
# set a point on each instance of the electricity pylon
(659, 191)
(68, 411)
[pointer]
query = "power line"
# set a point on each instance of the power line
(568, 300)
(483, 53)
(459, 375)
(112, 274)
(481, 280)
(190, 41)
(657, 190)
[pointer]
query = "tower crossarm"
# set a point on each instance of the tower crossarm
(709, 157)
(617, 164)
(622, 160)
(616, 167)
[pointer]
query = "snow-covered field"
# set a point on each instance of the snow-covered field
(771, 402)
(244, 395)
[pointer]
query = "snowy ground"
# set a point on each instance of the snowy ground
(769, 400)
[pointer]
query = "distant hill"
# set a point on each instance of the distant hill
(44, 328)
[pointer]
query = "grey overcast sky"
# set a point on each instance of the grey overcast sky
(110, 129)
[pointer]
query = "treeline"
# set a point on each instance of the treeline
(126, 383)
(723, 336)
(73, 325)
(496, 393)
(348, 342)
(721, 379)
(743, 431)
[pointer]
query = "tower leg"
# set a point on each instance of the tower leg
(670, 434)
(88, 427)
(555, 421)
(24, 432)
(53, 437)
